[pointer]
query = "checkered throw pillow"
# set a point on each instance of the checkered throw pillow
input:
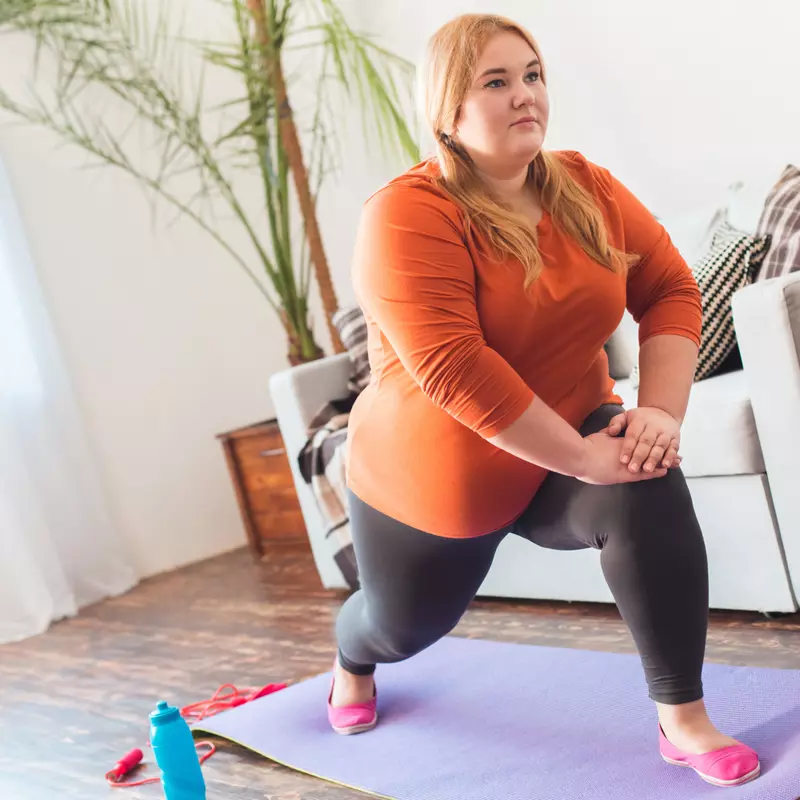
(781, 220)
(727, 267)
(725, 234)
(352, 328)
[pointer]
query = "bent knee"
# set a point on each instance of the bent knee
(658, 495)
(652, 508)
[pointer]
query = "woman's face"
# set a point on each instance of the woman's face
(506, 91)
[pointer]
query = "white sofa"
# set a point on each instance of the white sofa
(741, 451)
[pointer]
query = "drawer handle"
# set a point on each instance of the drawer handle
(274, 452)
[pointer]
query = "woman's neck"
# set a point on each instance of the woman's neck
(509, 185)
(510, 189)
(517, 192)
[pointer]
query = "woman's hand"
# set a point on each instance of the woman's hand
(652, 438)
(602, 462)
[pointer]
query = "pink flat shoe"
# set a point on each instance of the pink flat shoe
(356, 718)
(728, 766)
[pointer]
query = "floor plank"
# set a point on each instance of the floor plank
(73, 700)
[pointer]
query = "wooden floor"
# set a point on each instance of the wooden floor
(75, 699)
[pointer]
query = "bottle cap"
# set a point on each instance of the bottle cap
(163, 714)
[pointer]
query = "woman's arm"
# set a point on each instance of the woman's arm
(663, 297)
(542, 437)
(414, 275)
(652, 439)
(666, 367)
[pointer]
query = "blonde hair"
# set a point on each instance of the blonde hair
(450, 63)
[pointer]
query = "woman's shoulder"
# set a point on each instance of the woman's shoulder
(594, 177)
(417, 191)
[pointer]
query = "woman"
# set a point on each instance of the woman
(490, 277)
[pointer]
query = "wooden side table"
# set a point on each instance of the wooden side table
(262, 479)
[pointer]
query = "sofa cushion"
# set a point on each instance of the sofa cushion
(352, 328)
(725, 233)
(781, 221)
(719, 433)
(721, 272)
(622, 348)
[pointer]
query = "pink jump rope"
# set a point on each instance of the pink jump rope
(226, 697)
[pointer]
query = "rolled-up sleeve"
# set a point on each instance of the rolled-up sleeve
(662, 293)
(414, 275)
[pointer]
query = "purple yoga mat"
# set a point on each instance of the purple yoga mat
(474, 720)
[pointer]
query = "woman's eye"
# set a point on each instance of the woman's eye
(531, 77)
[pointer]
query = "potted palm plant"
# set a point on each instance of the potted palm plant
(195, 149)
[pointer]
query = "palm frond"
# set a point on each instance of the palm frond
(127, 57)
(372, 76)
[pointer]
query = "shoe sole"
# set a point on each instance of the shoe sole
(367, 726)
(751, 776)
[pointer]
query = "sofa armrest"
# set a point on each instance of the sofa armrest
(298, 393)
(767, 319)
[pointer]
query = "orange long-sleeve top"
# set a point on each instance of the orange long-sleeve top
(458, 350)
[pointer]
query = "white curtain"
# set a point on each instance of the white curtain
(59, 548)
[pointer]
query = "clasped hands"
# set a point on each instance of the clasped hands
(648, 449)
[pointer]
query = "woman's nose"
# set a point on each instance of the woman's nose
(524, 96)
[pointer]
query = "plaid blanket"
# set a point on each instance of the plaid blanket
(322, 465)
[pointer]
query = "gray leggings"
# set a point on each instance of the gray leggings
(416, 586)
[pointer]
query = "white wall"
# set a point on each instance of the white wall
(169, 345)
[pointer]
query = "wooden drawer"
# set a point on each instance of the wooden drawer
(262, 478)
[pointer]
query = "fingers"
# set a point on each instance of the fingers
(641, 475)
(657, 453)
(646, 451)
(632, 434)
(641, 451)
(617, 424)
(671, 455)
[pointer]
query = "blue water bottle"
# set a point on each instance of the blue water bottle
(176, 756)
